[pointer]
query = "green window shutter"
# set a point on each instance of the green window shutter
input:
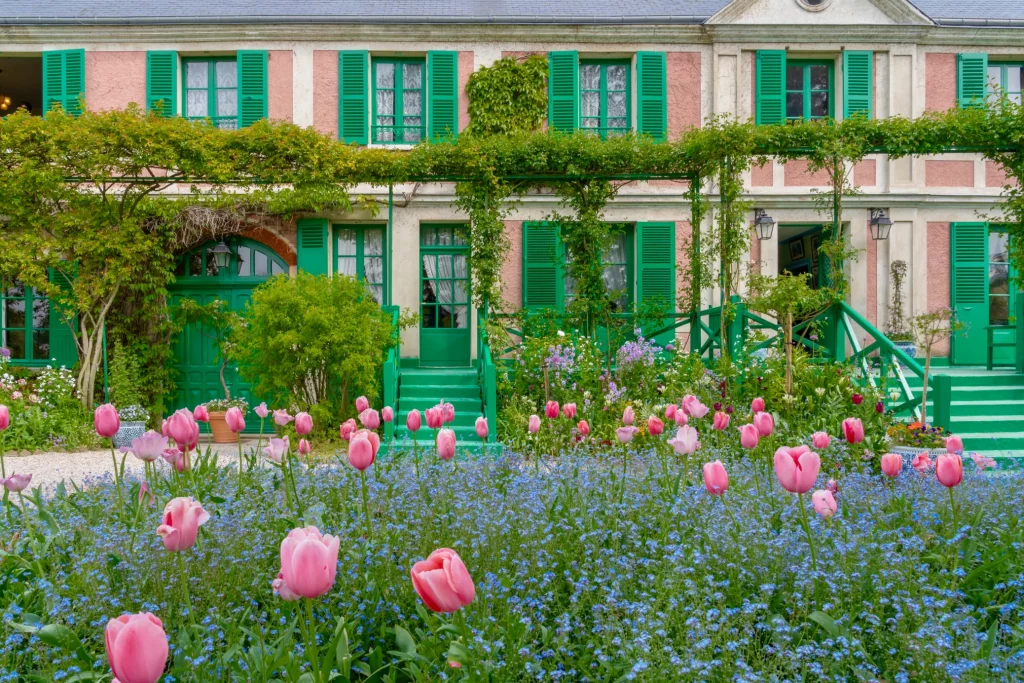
(858, 80)
(442, 94)
(64, 80)
(162, 82)
(971, 79)
(771, 87)
(252, 86)
(312, 241)
(543, 283)
(652, 95)
(63, 350)
(656, 269)
(969, 290)
(353, 66)
(564, 91)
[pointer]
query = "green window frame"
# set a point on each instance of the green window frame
(361, 251)
(26, 336)
(210, 87)
(444, 277)
(1005, 77)
(1001, 296)
(807, 99)
(399, 113)
(605, 94)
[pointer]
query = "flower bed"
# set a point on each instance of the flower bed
(45, 411)
(579, 574)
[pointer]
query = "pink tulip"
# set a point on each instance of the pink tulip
(693, 407)
(716, 479)
(174, 458)
(305, 448)
(147, 447)
(583, 428)
(435, 417)
(853, 430)
(796, 467)
(309, 562)
(749, 436)
(360, 452)
(922, 463)
(413, 422)
(447, 412)
(551, 410)
(303, 424)
(362, 403)
(892, 464)
(5, 418)
(136, 648)
(681, 418)
(106, 420)
(628, 416)
(824, 503)
(721, 421)
(16, 482)
(180, 524)
(443, 582)
(282, 589)
(146, 496)
(949, 470)
(347, 428)
(954, 444)
(481, 427)
(765, 423)
(181, 427)
(820, 440)
(625, 434)
(569, 411)
(757, 405)
(446, 444)
(982, 462)
(372, 437)
(276, 449)
(165, 428)
(370, 418)
(534, 424)
(282, 418)
(670, 411)
(235, 421)
(201, 414)
(832, 486)
(387, 414)
(262, 411)
(686, 441)
(655, 426)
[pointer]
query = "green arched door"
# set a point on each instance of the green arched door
(197, 277)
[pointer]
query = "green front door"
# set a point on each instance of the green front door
(980, 291)
(197, 277)
(444, 296)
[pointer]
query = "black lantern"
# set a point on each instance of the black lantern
(764, 224)
(880, 225)
(222, 255)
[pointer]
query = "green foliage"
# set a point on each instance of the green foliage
(125, 381)
(44, 409)
(313, 343)
(510, 96)
(898, 326)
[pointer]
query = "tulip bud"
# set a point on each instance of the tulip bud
(303, 424)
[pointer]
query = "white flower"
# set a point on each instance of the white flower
(820, 391)
(561, 334)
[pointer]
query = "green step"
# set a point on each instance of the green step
(426, 436)
(461, 405)
(439, 377)
(433, 391)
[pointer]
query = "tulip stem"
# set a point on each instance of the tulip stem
(312, 652)
(465, 639)
(366, 507)
(259, 440)
(117, 478)
(416, 455)
(239, 438)
(625, 457)
(184, 586)
(3, 445)
(807, 530)
(24, 513)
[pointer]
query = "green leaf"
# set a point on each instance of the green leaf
(405, 641)
(341, 655)
(58, 635)
(990, 639)
(457, 652)
(826, 622)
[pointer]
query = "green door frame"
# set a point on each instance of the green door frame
(441, 344)
(969, 346)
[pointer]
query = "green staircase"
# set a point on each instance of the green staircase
(422, 388)
(986, 409)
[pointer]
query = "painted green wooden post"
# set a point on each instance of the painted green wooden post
(1019, 314)
(736, 328)
(832, 333)
(941, 394)
(695, 335)
(390, 378)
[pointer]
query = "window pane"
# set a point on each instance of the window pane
(373, 269)
(227, 103)
(41, 344)
(14, 306)
(998, 279)
(999, 310)
(429, 317)
(461, 317)
(444, 236)
(40, 312)
(794, 78)
(385, 102)
(461, 291)
(385, 75)
(794, 105)
(377, 292)
(429, 236)
(590, 104)
(616, 77)
(1014, 76)
(412, 76)
(195, 263)
(412, 103)
(260, 264)
(197, 103)
(373, 241)
(617, 104)
(460, 236)
(412, 133)
(819, 104)
(244, 261)
(211, 264)
(995, 77)
(15, 343)
(197, 74)
(276, 268)
(998, 245)
(590, 77)
(347, 265)
(616, 252)
(819, 77)
(227, 75)
(346, 241)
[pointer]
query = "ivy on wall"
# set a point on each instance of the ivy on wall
(510, 96)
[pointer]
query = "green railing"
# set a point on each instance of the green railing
(488, 373)
(391, 374)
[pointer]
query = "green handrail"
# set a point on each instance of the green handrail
(391, 373)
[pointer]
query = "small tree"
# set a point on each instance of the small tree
(928, 330)
(216, 322)
(898, 330)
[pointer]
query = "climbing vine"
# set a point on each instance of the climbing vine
(510, 96)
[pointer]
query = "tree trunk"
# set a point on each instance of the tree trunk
(924, 385)
(223, 383)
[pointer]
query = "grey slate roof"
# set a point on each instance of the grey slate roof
(955, 12)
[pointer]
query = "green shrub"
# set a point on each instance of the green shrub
(125, 384)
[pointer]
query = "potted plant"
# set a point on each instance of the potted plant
(899, 331)
(915, 438)
(214, 321)
(126, 396)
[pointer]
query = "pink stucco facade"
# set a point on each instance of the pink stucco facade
(512, 268)
(467, 64)
(995, 175)
(325, 92)
(684, 93)
(797, 175)
(938, 272)
(939, 81)
(113, 80)
(763, 176)
(865, 173)
(280, 85)
(948, 173)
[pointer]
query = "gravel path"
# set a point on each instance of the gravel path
(49, 469)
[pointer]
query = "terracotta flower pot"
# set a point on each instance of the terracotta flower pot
(219, 427)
